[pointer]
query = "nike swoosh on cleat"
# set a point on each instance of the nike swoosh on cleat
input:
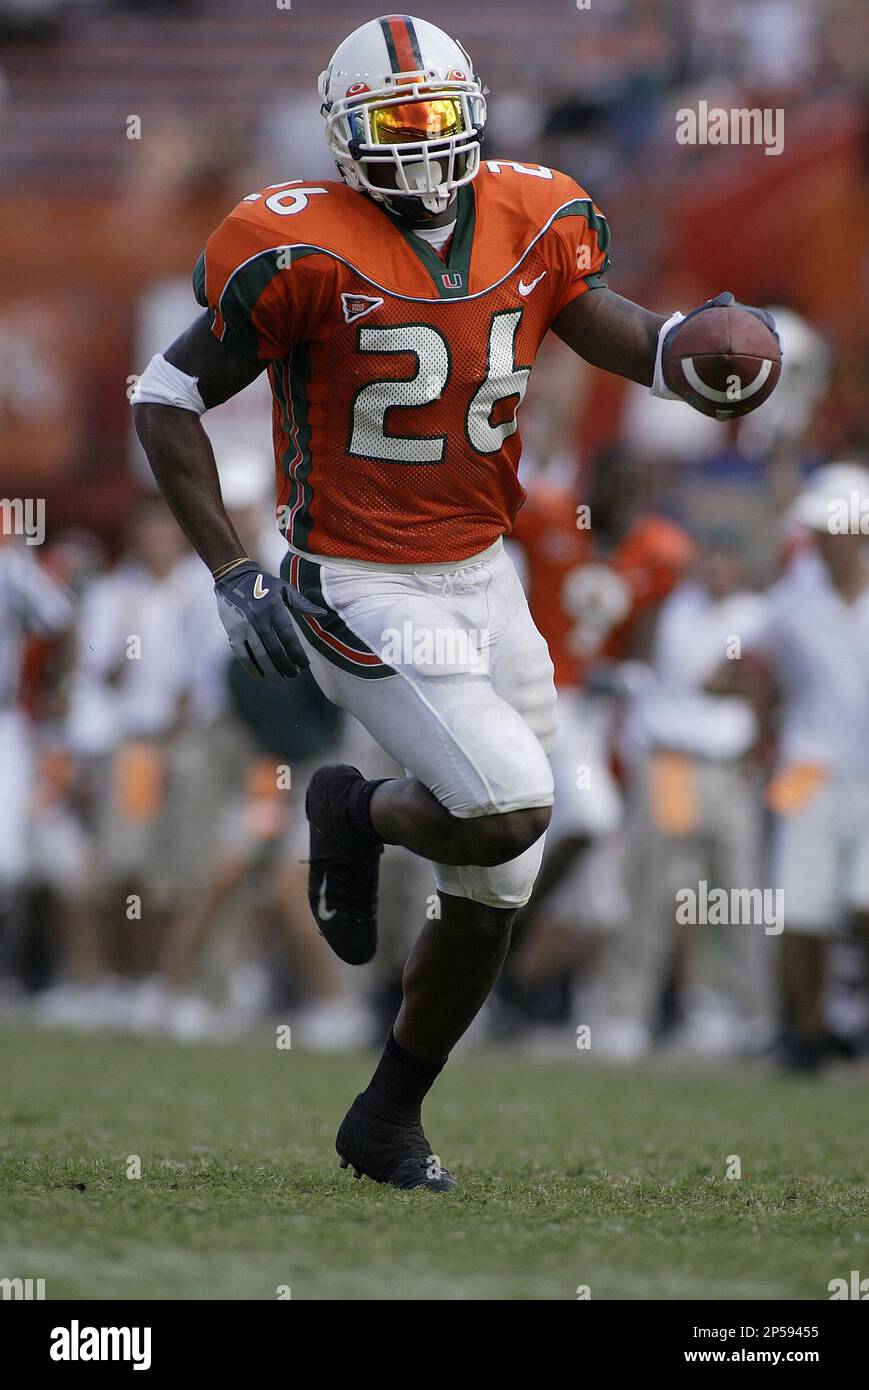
(324, 912)
(526, 289)
(258, 590)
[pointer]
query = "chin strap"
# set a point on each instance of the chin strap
(436, 202)
(406, 205)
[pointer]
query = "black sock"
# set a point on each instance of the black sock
(402, 1081)
(356, 810)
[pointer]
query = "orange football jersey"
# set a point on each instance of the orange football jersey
(586, 602)
(397, 374)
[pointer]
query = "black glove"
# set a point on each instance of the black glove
(255, 608)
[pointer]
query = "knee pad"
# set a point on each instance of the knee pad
(501, 885)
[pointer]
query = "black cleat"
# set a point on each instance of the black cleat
(389, 1149)
(343, 867)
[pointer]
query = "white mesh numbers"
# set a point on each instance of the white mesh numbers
(503, 379)
(369, 437)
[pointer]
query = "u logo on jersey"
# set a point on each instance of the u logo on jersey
(356, 306)
(453, 280)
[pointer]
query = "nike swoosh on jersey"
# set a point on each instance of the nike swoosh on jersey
(324, 912)
(258, 590)
(526, 289)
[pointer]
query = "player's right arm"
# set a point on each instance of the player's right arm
(254, 606)
(178, 449)
(258, 303)
(255, 312)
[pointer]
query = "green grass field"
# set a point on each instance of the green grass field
(570, 1175)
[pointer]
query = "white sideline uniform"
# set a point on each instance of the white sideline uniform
(821, 856)
(31, 602)
(819, 648)
(16, 760)
(474, 729)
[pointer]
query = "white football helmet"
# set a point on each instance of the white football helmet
(404, 112)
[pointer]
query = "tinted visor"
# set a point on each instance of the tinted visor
(411, 121)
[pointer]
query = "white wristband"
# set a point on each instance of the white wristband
(163, 384)
(659, 387)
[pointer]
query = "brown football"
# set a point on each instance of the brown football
(724, 362)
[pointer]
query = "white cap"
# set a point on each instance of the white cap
(831, 493)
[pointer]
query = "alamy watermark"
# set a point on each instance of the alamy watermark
(715, 125)
(734, 907)
(448, 650)
(848, 515)
(852, 1287)
(25, 1290)
(23, 516)
(77, 1343)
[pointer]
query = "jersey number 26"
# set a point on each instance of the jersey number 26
(370, 437)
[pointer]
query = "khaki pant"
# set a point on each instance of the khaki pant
(691, 819)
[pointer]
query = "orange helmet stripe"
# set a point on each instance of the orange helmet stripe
(401, 42)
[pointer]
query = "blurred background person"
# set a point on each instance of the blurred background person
(56, 936)
(126, 696)
(32, 603)
(815, 643)
(597, 571)
(696, 816)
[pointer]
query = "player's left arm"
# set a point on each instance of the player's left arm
(611, 332)
(624, 338)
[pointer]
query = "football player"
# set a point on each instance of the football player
(398, 313)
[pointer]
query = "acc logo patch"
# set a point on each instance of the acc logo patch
(356, 306)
